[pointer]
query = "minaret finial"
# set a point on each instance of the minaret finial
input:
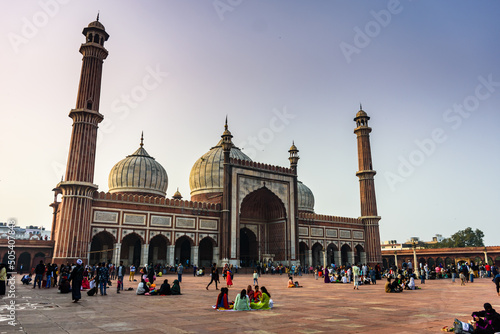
(225, 126)
(142, 138)
(97, 16)
(360, 106)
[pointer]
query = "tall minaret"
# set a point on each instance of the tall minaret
(72, 230)
(365, 174)
(225, 243)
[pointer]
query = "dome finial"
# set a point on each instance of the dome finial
(142, 138)
(97, 16)
(360, 106)
(225, 126)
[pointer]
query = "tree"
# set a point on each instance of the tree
(463, 238)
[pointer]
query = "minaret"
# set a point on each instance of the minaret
(72, 235)
(227, 144)
(365, 174)
(294, 159)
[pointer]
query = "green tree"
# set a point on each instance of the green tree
(463, 238)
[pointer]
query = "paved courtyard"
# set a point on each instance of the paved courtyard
(315, 308)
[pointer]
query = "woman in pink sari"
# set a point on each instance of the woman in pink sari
(229, 281)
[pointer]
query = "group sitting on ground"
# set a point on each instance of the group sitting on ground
(149, 289)
(487, 322)
(246, 300)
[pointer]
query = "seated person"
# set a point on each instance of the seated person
(85, 283)
(222, 301)
(176, 289)
(487, 321)
(242, 303)
(165, 289)
(142, 287)
(290, 282)
(263, 304)
(411, 283)
(388, 285)
(64, 285)
(26, 279)
(344, 279)
(257, 295)
(250, 293)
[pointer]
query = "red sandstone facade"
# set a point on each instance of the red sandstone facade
(242, 212)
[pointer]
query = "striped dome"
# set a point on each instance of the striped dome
(306, 197)
(138, 173)
(207, 173)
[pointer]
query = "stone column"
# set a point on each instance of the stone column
(362, 256)
(309, 257)
(144, 254)
(171, 255)
(194, 255)
(324, 259)
(338, 258)
(215, 256)
(116, 253)
(350, 257)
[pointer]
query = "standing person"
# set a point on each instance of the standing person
(49, 275)
(496, 280)
(325, 276)
(103, 278)
(356, 273)
(3, 278)
(229, 280)
(39, 271)
(194, 270)
(255, 278)
(316, 274)
(120, 272)
(214, 276)
(132, 273)
(180, 269)
(76, 279)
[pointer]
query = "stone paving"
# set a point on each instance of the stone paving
(315, 308)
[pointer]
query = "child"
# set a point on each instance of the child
(255, 278)
(462, 279)
(119, 284)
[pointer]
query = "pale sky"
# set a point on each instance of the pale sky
(426, 72)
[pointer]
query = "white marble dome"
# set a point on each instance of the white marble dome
(306, 198)
(208, 171)
(138, 173)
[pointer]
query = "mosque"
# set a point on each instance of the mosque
(241, 212)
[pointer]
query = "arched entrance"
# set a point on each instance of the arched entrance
(183, 251)
(158, 250)
(264, 213)
(431, 263)
(131, 250)
(206, 252)
(25, 260)
(359, 254)
(249, 254)
(317, 255)
(331, 252)
(303, 258)
(101, 248)
(345, 254)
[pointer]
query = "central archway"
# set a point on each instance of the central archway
(183, 251)
(263, 228)
(101, 248)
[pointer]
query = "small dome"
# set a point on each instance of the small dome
(306, 197)
(138, 173)
(177, 195)
(361, 113)
(207, 172)
(96, 24)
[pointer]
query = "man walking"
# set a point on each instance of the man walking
(356, 276)
(103, 278)
(214, 276)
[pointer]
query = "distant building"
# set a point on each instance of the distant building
(29, 233)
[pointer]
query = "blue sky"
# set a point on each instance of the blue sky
(426, 72)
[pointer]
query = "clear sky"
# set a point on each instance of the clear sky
(426, 72)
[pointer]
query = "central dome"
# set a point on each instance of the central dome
(208, 171)
(138, 173)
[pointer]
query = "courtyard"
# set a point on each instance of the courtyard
(315, 308)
